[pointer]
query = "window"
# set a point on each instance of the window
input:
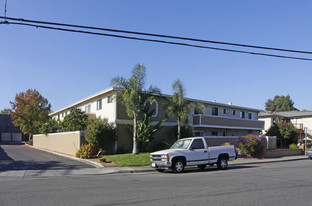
(224, 134)
(214, 133)
(233, 112)
(215, 111)
(242, 114)
(225, 111)
(249, 115)
(109, 99)
(99, 104)
(198, 144)
(88, 108)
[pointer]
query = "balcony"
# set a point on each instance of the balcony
(227, 123)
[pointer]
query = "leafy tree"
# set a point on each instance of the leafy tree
(5, 111)
(178, 107)
(29, 111)
(76, 120)
(285, 132)
(146, 129)
(280, 104)
(51, 126)
(133, 96)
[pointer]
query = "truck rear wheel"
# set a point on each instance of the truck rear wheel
(222, 163)
(178, 166)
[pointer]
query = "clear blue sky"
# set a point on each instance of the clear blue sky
(66, 67)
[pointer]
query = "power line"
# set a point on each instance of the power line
(157, 41)
(159, 35)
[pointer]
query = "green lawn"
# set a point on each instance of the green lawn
(124, 160)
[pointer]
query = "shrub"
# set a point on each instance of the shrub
(30, 142)
(51, 126)
(99, 132)
(249, 145)
(84, 152)
(293, 146)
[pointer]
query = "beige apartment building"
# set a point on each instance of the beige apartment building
(218, 120)
(300, 119)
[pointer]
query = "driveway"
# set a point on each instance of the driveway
(22, 157)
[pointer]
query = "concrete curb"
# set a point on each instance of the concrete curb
(89, 162)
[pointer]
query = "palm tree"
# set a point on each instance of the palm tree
(133, 96)
(178, 107)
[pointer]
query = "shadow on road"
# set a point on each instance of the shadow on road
(4, 156)
(31, 165)
(212, 169)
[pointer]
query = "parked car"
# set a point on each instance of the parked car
(192, 151)
(310, 153)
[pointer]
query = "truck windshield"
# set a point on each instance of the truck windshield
(181, 144)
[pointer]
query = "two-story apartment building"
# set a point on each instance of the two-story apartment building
(218, 119)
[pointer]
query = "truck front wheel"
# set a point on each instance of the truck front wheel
(178, 166)
(222, 163)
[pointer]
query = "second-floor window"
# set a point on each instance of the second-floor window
(109, 99)
(99, 104)
(242, 114)
(215, 111)
(88, 108)
(250, 116)
(225, 111)
(233, 112)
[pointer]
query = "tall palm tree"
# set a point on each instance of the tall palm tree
(133, 96)
(178, 107)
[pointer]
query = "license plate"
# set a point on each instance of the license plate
(153, 164)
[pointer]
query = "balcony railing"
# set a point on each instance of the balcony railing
(224, 122)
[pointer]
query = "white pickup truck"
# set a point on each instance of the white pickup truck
(192, 151)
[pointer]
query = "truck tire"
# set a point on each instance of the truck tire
(222, 163)
(160, 170)
(178, 166)
(202, 167)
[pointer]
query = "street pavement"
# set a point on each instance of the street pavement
(21, 160)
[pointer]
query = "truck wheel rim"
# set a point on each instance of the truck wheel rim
(179, 166)
(223, 163)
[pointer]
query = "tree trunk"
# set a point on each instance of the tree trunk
(179, 129)
(135, 149)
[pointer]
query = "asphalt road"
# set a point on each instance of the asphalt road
(21, 157)
(278, 184)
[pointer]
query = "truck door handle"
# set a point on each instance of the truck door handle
(205, 151)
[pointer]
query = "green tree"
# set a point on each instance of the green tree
(76, 120)
(280, 104)
(5, 111)
(178, 107)
(146, 128)
(133, 96)
(285, 132)
(29, 111)
(51, 126)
